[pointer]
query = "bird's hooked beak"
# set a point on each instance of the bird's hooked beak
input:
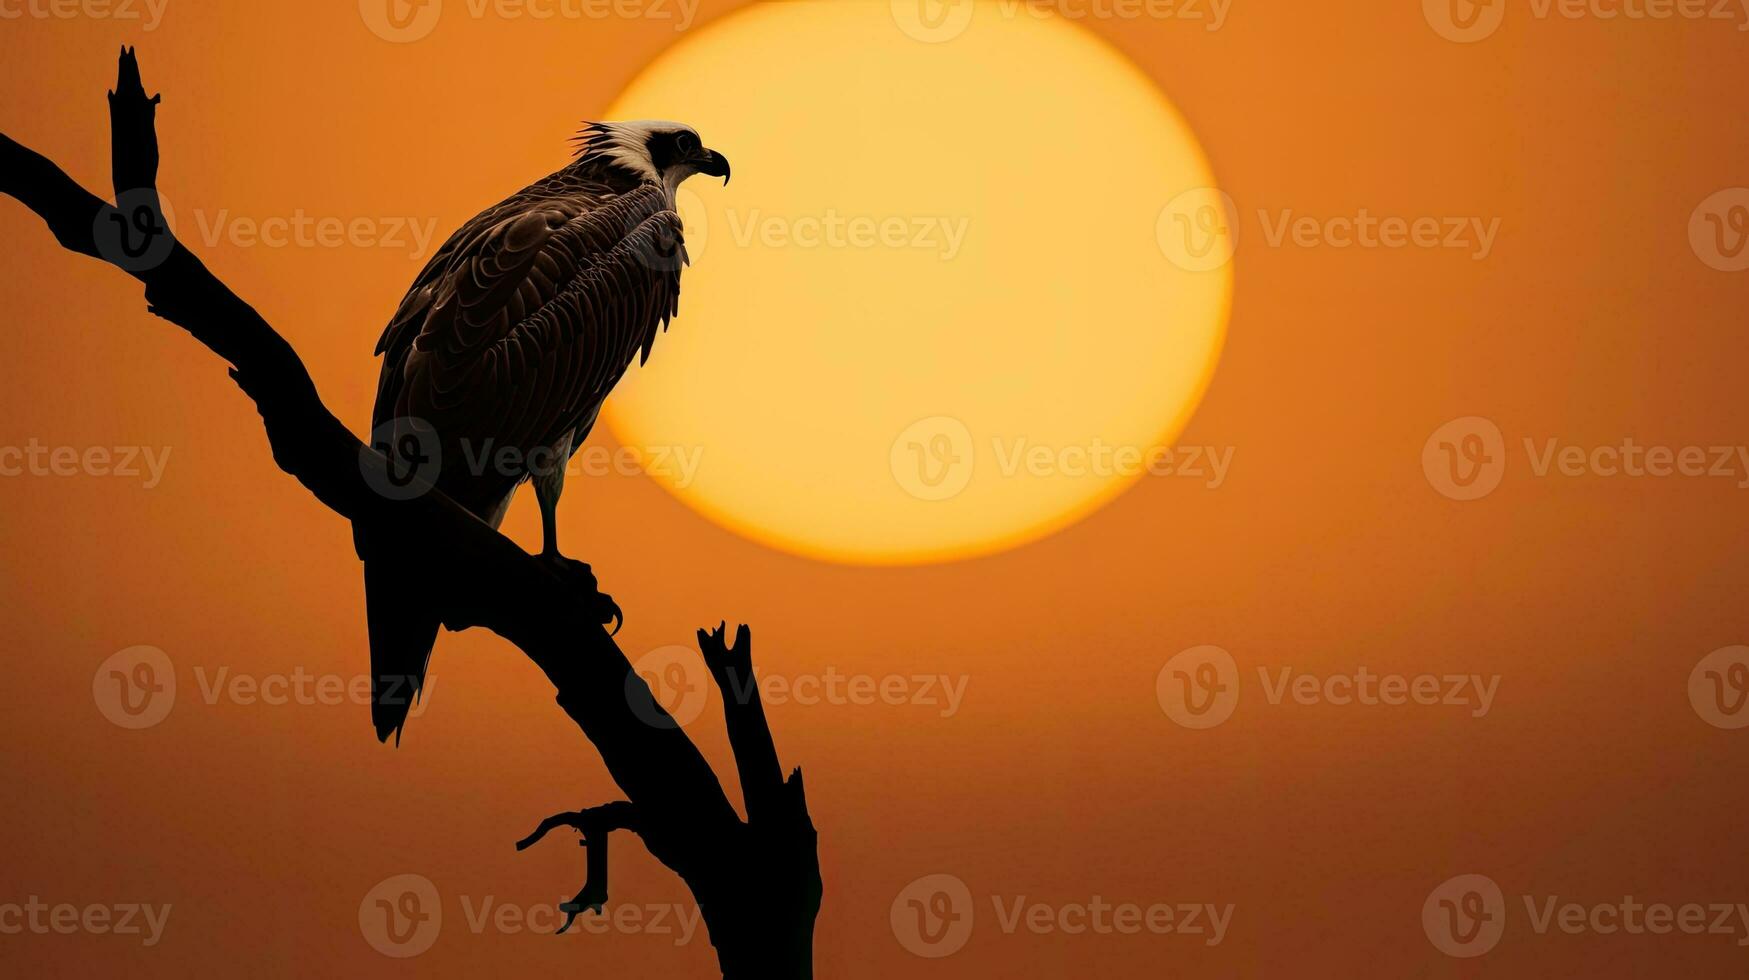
(715, 165)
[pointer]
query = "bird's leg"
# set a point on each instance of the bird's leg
(547, 488)
(549, 524)
(549, 484)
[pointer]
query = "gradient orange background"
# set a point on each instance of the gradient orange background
(1061, 777)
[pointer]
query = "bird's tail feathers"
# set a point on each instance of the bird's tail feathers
(402, 632)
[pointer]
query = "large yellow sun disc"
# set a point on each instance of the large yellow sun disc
(931, 317)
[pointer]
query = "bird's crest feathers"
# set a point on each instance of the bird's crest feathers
(625, 144)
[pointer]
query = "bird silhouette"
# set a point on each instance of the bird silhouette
(497, 362)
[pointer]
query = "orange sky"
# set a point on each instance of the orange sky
(1588, 600)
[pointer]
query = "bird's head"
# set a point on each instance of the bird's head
(651, 150)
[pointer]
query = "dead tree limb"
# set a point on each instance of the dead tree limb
(757, 881)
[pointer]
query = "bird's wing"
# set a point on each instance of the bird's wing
(512, 335)
(525, 319)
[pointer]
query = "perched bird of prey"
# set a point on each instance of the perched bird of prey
(508, 342)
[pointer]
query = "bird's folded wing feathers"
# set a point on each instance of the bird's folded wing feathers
(528, 315)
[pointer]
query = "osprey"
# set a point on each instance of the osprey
(508, 342)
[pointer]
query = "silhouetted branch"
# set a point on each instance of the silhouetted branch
(594, 824)
(757, 883)
(744, 716)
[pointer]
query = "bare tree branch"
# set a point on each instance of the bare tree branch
(757, 882)
(595, 824)
(744, 716)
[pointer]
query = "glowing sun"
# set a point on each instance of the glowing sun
(931, 316)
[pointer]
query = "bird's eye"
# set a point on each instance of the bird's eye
(686, 143)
